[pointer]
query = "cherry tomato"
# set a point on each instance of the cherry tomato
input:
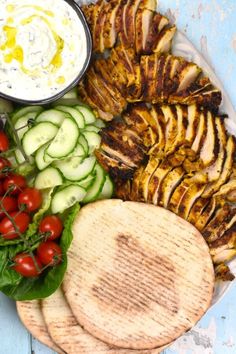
(51, 225)
(31, 198)
(7, 229)
(9, 204)
(49, 253)
(4, 167)
(17, 182)
(1, 189)
(26, 265)
(4, 142)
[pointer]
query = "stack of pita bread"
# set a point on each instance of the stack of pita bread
(138, 278)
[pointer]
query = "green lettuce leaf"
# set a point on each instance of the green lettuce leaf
(19, 288)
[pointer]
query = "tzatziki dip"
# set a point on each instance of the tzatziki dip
(43, 48)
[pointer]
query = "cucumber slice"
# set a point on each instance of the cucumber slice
(20, 159)
(88, 115)
(52, 115)
(83, 142)
(78, 151)
(5, 106)
(107, 190)
(94, 191)
(37, 136)
(99, 123)
(66, 139)
(78, 117)
(73, 93)
(48, 178)
(87, 182)
(93, 139)
(23, 111)
(92, 128)
(74, 169)
(22, 124)
(67, 197)
(39, 157)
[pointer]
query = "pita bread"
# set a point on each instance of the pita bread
(138, 275)
(70, 336)
(31, 316)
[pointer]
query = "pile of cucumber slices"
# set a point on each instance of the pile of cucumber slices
(61, 142)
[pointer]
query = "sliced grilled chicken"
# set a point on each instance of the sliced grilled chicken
(224, 256)
(227, 241)
(109, 30)
(99, 22)
(197, 209)
(200, 133)
(188, 74)
(223, 220)
(193, 120)
(206, 215)
(169, 184)
(143, 22)
(123, 144)
(88, 13)
(91, 97)
(223, 273)
(116, 168)
(121, 22)
(213, 187)
(148, 4)
(134, 195)
(182, 122)
(227, 191)
(210, 98)
(164, 40)
(123, 191)
(148, 172)
(156, 180)
(190, 197)
(158, 115)
(176, 198)
(171, 131)
(214, 171)
(132, 8)
(210, 148)
(157, 25)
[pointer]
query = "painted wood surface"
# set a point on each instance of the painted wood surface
(210, 24)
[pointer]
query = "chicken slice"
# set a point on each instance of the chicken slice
(226, 256)
(182, 121)
(226, 242)
(206, 215)
(200, 134)
(164, 40)
(193, 120)
(156, 180)
(131, 11)
(210, 148)
(88, 13)
(210, 98)
(169, 184)
(134, 195)
(148, 172)
(158, 115)
(157, 25)
(223, 273)
(188, 74)
(116, 168)
(109, 29)
(142, 27)
(213, 187)
(171, 132)
(214, 171)
(148, 4)
(197, 209)
(223, 220)
(192, 194)
(228, 191)
(98, 39)
(176, 198)
(123, 191)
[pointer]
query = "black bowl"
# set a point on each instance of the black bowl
(80, 75)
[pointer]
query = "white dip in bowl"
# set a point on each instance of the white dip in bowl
(45, 48)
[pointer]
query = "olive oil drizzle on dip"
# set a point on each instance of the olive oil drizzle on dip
(42, 48)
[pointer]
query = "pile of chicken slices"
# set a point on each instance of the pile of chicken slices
(169, 145)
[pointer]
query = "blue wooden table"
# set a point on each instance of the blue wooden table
(210, 24)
